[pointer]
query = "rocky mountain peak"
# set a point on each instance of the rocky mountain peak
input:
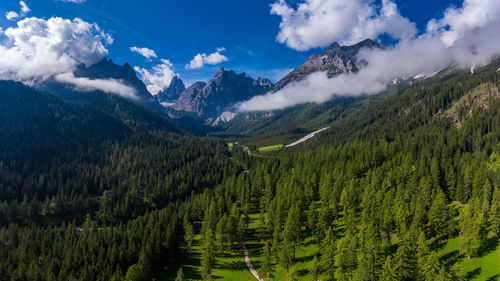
(224, 89)
(173, 92)
(334, 60)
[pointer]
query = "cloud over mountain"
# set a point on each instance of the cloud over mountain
(159, 77)
(317, 23)
(200, 60)
(37, 49)
(465, 36)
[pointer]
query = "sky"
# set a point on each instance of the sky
(179, 30)
(192, 39)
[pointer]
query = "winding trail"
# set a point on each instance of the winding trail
(249, 262)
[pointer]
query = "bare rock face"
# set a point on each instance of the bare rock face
(334, 60)
(173, 92)
(223, 90)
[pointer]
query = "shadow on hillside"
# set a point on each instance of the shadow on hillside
(233, 266)
(474, 273)
(494, 278)
(489, 246)
(451, 258)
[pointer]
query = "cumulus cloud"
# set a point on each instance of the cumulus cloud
(11, 15)
(42, 48)
(466, 36)
(200, 60)
(145, 52)
(24, 8)
(317, 23)
(159, 77)
(37, 49)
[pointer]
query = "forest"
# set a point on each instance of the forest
(378, 196)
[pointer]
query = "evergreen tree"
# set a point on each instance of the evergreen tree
(431, 268)
(180, 275)
(471, 233)
(388, 271)
(440, 215)
(134, 273)
(346, 258)
(328, 251)
(189, 236)
(266, 268)
(494, 217)
(313, 269)
(207, 256)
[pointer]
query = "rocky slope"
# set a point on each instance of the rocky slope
(209, 100)
(173, 92)
(334, 60)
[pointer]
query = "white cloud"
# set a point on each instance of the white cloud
(200, 60)
(145, 52)
(317, 23)
(24, 8)
(15, 15)
(38, 49)
(467, 37)
(159, 77)
(11, 15)
(106, 85)
(74, 1)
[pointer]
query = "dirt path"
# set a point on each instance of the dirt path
(249, 262)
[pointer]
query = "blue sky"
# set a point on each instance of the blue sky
(178, 30)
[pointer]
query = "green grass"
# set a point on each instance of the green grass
(271, 147)
(230, 267)
(231, 144)
(304, 254)
(485, 267)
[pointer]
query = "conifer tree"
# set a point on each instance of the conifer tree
(180, 275)
(440, 215)
(266, 268)
(389, 271)
(313, 269)
(207, 256)
(328, 250)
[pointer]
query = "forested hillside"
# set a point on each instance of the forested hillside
(405, 189)
(81, 190)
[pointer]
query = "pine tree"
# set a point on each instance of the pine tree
(328, 250)
(346, 258)
(431, 268)
(494, 214)
(134, 273)
(207, 254)
(180, 275)
(389, 271)
(189, 236)
(266, 268)
(312, 218)
(292, 228)
(440, 215)
(422, 253)
(471, 233)
(313, 269)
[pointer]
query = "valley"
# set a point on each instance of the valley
(276, 140)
